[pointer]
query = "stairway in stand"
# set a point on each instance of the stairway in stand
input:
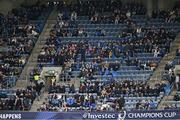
(23, 80)
(157, 75)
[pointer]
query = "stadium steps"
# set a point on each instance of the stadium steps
(157, 75)
(23, 80)
(165, 100)
(39, 101)
(76, 82)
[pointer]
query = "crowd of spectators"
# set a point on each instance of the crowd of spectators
(20, 99)
(67, 103)
(68, 27)
(90, 87)
(157, 37)
(144, 40)
(18, 37)
(167, 16)
(146, 105)
(90, 95)
(118, 12)
(114, 89)
(133, 88)
(94, 58)
(101, 97)
(61, 88)
(16, 22)
(153, 41)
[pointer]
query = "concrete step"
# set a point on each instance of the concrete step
(157, 75)
(39, 101)
(20, 84)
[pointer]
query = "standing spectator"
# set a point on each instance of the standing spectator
(117, 18)
(36, 78)
(18, 103)
(39, 87)
(177, 82)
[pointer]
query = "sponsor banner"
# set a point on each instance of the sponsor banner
(123, 115)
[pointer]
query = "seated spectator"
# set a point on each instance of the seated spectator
(81, 32)
(55, 101)
(73, 16)
(43, 107)
(128, 14)
(94, 19)
(152, 105)
(156, 52)
(177, 97)
(60, 16)
(100, 32)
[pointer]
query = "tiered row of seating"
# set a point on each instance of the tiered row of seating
(99, 96)
(135, 55)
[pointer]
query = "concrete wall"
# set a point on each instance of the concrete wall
(155, 4)
(31, 2)
(7, 5)
(161, 4)
(166, 4)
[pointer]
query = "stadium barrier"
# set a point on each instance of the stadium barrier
(123, 115)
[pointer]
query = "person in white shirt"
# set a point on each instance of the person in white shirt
(42, 52)
(117, 19)
(34, 33)
(128, 14)
(60, 15)
(73, 16)
(138, 30)
(61, 24)
(156, 52)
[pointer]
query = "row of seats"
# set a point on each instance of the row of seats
(156, 59)
(156, 21)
